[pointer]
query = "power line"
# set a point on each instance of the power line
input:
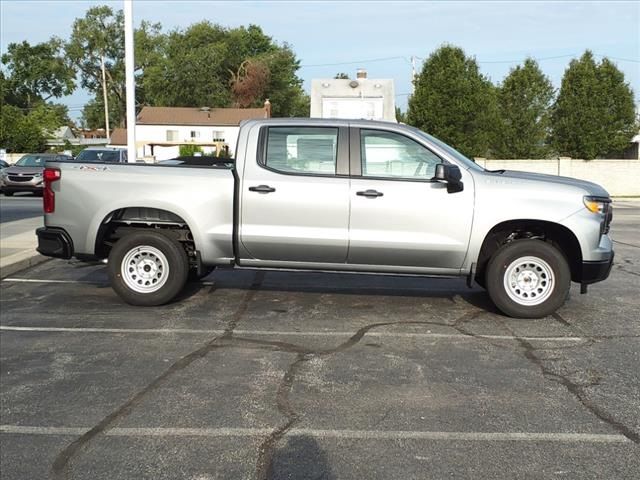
(371, 60)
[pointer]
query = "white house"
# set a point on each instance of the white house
(362, 98)
(161, 130)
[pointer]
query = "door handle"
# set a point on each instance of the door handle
(262, 189)
(370, 194)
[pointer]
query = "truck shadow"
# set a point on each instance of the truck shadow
(301, 458)
(346, 284)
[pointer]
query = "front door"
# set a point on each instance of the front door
(295, 198)
(399, 215)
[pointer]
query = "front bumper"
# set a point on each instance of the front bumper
(593, 272)
(54, 242)
(21, 187)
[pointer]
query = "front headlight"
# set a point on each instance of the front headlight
(597, 204)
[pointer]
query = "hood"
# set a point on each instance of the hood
(590, 187)
(16, 170)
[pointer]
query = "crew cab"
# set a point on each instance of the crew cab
(332, 195)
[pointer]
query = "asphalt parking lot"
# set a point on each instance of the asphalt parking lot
(256, 375)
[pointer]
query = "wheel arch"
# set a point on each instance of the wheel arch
(136, 218)
(558, 235)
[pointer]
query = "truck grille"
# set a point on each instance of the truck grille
(13, 178)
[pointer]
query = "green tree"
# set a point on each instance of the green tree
(401, 116)
(38, 73)
(455, 102)
(34, 75)
(594, 114)
(200, 63)
(341, 76)
(93, 112)
(97, 39)
(524, 102)
(20, 132)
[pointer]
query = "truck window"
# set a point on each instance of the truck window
(304, 150)
(388, 154)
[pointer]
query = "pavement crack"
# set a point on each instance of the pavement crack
(264, 462)
(626, 244)
(578, 390)
(622, 269)
(61, 464)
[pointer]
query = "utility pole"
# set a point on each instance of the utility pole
(104, 95)
(130, 82)
(413, 73)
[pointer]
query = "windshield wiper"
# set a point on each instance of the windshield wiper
(500, 172)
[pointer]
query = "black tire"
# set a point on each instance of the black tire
(8, 194)
(193, 274)
(544, 278)
(144, 246)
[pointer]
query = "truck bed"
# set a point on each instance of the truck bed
(88, 195)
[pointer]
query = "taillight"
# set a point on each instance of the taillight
(50, 175)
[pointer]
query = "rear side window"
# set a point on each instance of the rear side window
(303, 150)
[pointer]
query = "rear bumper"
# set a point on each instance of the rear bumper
(54, 242)
(593, 272)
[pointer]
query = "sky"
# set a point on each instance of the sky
(380, 36)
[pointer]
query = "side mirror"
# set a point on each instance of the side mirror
(451, 175)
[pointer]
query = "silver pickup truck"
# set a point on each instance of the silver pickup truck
(332, 195)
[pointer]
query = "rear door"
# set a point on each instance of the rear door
(295, 196)
(399, 215)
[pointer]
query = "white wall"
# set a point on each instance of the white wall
(158, 133)
(336, 95)
(618, 177)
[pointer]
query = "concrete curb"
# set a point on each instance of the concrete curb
(20, 261)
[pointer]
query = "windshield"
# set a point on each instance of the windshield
(32, 161)
(465, 161)
(96, 156)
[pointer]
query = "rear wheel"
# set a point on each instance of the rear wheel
(147, 268)
(528, 279)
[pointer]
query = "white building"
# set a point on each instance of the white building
(161, 130)
(362, 98)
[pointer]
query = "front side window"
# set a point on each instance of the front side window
(387, 154)
(304, 150)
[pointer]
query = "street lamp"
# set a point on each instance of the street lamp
(130, 83)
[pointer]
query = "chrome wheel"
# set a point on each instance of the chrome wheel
(529, 281)
(145, 269)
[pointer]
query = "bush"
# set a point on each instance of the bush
(189, 150)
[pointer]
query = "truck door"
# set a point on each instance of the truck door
(295, 197)
(399, 216)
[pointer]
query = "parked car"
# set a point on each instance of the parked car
(333, 195)
(102, 155)
(26, 174)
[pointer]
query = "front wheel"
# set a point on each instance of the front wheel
(147, 268)
(528, 279)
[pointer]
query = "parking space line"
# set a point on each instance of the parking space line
(35, 280)
(283, 333)
(344, 434)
